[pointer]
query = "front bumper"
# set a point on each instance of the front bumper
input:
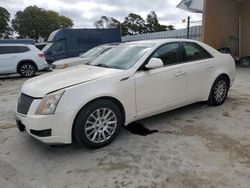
(52, 129)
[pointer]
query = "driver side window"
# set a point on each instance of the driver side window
(169, 54)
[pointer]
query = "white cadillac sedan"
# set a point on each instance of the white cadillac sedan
(135, 80)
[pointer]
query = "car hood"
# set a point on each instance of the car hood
(40, 86)
(72, 61)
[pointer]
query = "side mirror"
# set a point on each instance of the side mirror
(154, 63)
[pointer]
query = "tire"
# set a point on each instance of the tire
(219, 91)
(97, 124)
(27, 69)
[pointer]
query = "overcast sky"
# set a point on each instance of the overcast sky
(85, 12)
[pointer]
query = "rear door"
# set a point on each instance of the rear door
(200, 65)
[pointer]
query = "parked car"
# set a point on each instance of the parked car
(135, 80)
(66, 43)
(21, 58)
(84, 58)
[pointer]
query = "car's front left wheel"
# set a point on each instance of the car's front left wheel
(97, 124)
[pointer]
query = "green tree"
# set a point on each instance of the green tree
(107, 22)
(35, 22)
(110, 22)
(5, 30)
(134, 24)
(170, 27)
(55, 21)
(65, 22)
(153, 25)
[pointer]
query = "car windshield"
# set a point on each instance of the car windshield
(92, 52)
(47, 47)
(122, 57)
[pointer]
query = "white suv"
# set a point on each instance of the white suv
(21, 58)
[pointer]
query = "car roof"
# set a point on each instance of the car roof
(160, 41)
(109, 45)
(15, 44)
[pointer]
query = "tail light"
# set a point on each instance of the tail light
(41, 54)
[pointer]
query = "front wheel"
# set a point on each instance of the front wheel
(219, 91)
(98, 124)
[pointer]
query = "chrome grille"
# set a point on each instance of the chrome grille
(24, 103)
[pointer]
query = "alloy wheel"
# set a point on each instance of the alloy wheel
(27, 70)
(100, 125)
(220, 91)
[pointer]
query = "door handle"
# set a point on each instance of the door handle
(209, 67)
(179, 74)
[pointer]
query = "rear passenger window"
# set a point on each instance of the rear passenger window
(193, 51)
(1, 50)
(13, 49)
(168, 53)
(22, 49)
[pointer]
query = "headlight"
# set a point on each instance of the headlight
(63, 66)
(49, 103)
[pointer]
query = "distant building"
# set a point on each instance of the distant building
(225, 23)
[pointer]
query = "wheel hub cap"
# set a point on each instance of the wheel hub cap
(220, 91)
(27, 70)
(100, 125)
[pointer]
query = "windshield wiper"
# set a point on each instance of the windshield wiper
(106, 66)
(102, 65)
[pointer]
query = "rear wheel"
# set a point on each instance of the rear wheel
(97, 124)
(219, 91)
(27, 69)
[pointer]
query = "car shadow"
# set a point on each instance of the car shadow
(10, 77)
(17, 76)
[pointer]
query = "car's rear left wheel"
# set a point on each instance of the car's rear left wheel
(97, 124)
(27, 69)
(219, 91)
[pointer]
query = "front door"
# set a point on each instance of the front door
(161, 88)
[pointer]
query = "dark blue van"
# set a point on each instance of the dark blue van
(65, 43)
